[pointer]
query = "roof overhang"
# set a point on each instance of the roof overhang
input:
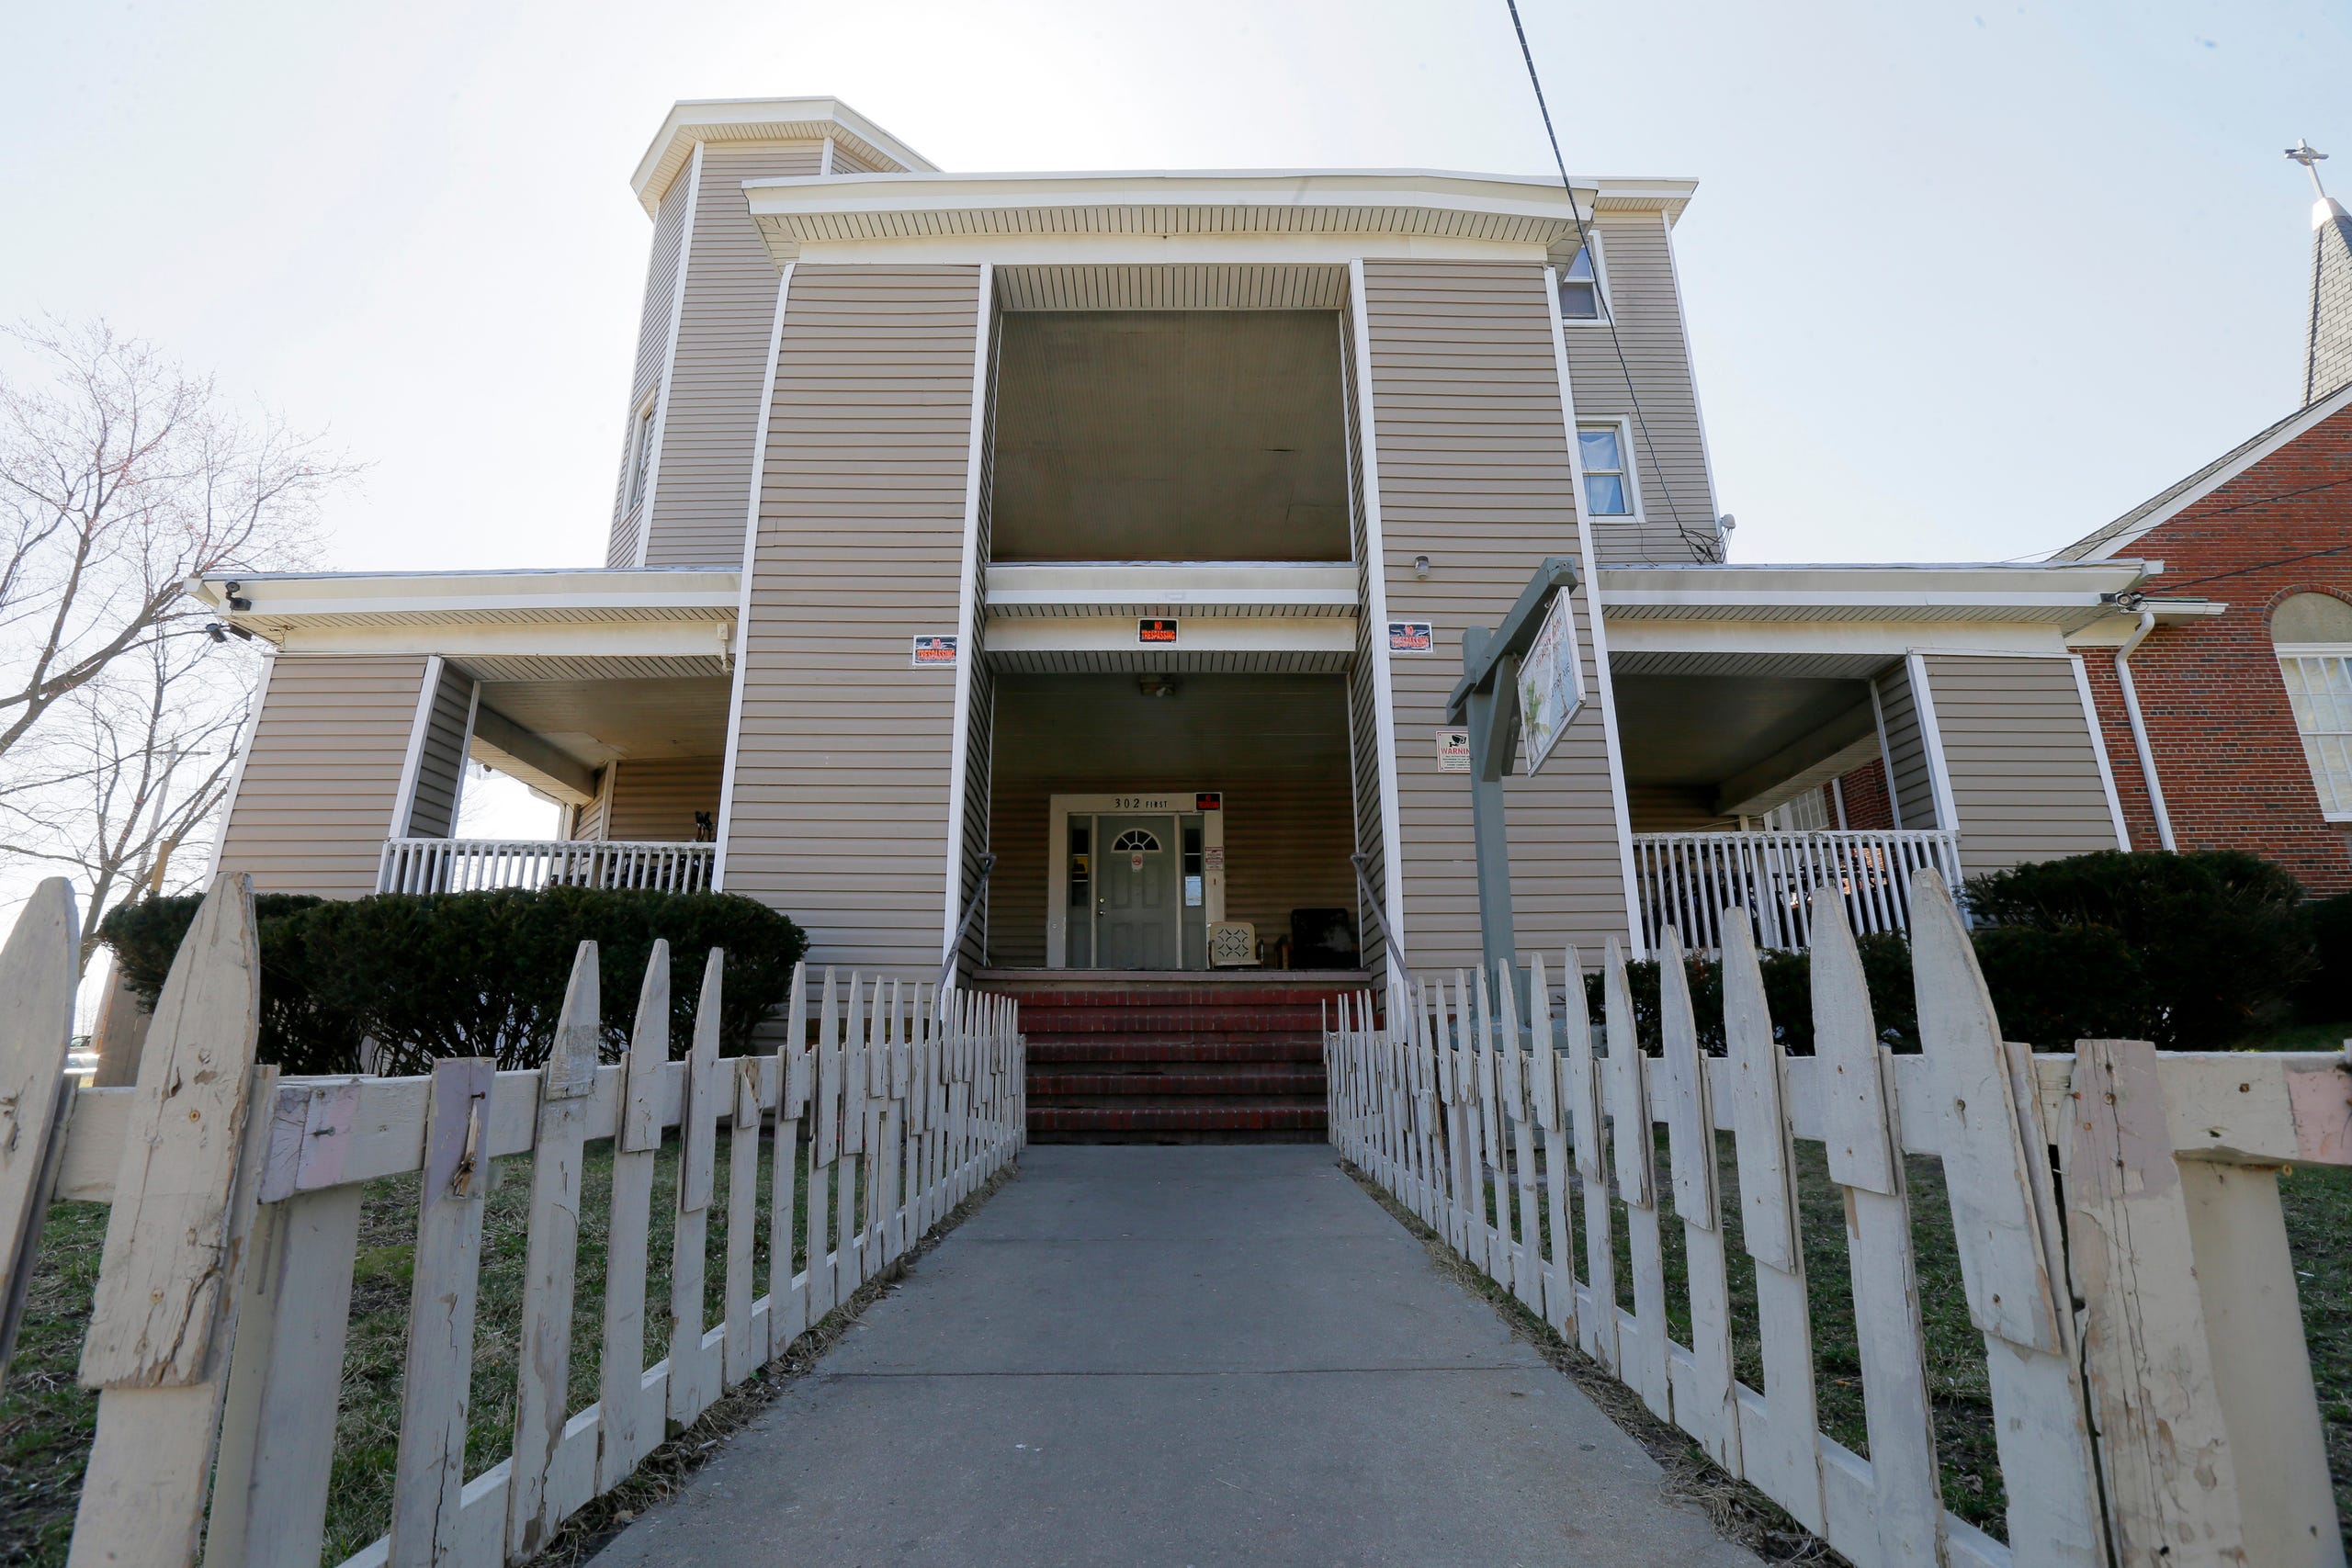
(761, 119)
(677, 618)
(1531, 213)
(1095, 589)
(2067, 597)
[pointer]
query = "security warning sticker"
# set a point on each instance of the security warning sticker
(1452, 751)
(1155, 631)
(934, 649)
(1208, 800)
(1411, 637)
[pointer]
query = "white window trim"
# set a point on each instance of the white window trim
(1600, 285)
(638, 479)
(2286, 651)
(1624, 427)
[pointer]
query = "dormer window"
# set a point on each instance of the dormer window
(1581, 296)
(640, 455)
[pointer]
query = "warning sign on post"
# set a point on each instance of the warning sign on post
(1452, 751)
(1155, 631)
(934, 649)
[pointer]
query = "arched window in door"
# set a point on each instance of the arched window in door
(2313, 636)
(1136, 839)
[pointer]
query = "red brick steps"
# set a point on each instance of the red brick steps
(1175, 1058)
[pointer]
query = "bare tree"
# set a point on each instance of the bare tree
(121, 477)
(123, 783)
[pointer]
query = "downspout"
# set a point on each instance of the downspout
(2139, 729)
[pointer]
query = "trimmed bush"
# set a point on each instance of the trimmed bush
(2195, 951)
(476, 974)
(301, 1030)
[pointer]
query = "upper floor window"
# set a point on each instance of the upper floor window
(640, 455)
(2313, 632)
(1581, 299)
(1608, 492)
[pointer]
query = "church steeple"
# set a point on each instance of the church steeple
(2327, 351)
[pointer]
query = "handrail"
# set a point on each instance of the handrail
(1686, 880)
(1388, 937)
(955, 947)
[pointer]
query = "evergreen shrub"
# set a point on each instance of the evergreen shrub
(431, 975)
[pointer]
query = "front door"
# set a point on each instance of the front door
(1137, 881)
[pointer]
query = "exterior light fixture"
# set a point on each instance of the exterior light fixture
(1420, 566)
(213, 630)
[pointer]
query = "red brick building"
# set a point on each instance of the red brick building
(2224, 686)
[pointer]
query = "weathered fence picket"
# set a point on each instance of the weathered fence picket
(217, 1340)
(2174, 1424)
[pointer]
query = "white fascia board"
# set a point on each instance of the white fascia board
(556, 640)
(1042, 588)
(1234, 634)
(740, 120)
(2115, 630)
(828, 210)
(1887, 637)
(289, 595)
(1965, 582)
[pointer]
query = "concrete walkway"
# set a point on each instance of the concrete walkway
(1178, 1356)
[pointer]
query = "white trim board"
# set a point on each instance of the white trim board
(2098, 751)
(1375, 567)
(743, 646)
(404, 795)
(967, 612)
(1931, 741)
(1605, 685)
(670, 356)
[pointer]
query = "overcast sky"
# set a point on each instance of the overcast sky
(1963, 283)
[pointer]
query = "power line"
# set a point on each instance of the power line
(2258, 566)
(1706, 544)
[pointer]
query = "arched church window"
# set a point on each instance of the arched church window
(2313, 636)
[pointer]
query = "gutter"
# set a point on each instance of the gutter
(2139, 729)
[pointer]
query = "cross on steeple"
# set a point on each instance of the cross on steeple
(2309, 157)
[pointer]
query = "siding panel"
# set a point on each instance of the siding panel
(654, 798)
(1671, 467)
(441, 763)
(709, 426)
(1474, 473)
(841, 784)
(2025, 781)
(315, 803)
(1906, 755)
(652, 347)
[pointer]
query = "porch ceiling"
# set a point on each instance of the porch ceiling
(1073, 726)
(598, 721)
(1169, 434)
(1704, 730)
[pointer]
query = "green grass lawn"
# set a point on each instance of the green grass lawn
(46, 1417)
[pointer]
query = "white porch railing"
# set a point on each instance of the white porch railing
(473, 865)
(1686, 880)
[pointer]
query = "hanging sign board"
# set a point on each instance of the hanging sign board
(935, 650)
(1411, 637)
(1156, 631)
(1550, 682)
(1452, 751)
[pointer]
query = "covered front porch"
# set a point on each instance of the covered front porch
(1795, 737)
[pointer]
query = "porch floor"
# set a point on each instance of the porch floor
(1179, 1356)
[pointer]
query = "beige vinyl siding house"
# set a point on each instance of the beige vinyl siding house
(1169, 454)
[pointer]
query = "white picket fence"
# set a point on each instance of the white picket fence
(473, 865)
(1688, 881)
(217, 1335)
(2149, 1383)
